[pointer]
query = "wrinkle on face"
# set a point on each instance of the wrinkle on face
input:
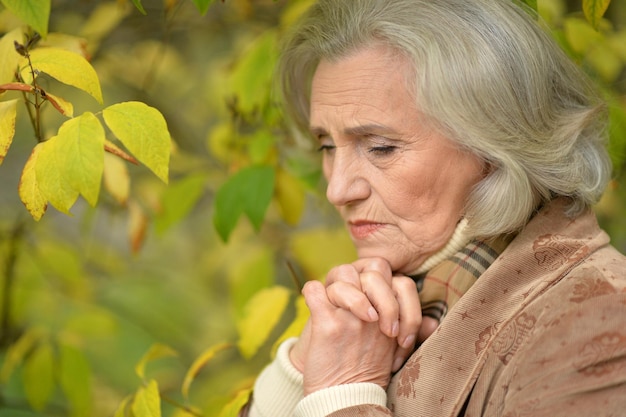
(418, 190)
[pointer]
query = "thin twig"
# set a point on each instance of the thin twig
(294, 276)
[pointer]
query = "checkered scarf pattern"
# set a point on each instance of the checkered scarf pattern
(443, 285)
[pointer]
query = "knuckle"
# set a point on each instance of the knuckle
(344, 272)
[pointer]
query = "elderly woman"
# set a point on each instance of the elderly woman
(464, 151)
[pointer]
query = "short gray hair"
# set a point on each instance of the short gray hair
(488, 77)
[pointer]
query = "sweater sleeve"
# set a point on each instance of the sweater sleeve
(278, 389)
(326, 401)
(278, 392)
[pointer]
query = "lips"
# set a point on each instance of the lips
(363, 229)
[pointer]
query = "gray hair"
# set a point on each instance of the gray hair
(488, 77)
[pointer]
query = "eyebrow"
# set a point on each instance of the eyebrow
(360, 130)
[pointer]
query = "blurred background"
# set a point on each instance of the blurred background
(143, 287)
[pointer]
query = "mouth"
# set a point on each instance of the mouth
(363, 229)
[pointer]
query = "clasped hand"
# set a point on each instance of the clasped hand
(364, 324)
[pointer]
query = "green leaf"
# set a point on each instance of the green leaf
(617, 132)
(8, 113)
(34, 13)
(178, 200)
(202, 5)
(200, 362)
(594, 10)
(532, 4)
(139, 6)
(75, 380)
(249, 192)
(147, 402)
(38, 376)
(156, 351)
(143, 130)
(233, 408)
(65, 66)
(251, 79)
(262, 313)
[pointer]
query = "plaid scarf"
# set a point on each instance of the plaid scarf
(444, 284)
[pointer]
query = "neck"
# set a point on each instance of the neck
(459, 238)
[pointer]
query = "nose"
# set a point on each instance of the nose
(347, 182)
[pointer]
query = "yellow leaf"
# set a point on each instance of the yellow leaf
(253, 271)
(233, 408)
(296, 326)
(104, 18)
(80, 141)
(116, 178)
(137, 226)
(580, 35)
(28, 188)
(147, 402)
(605, 62)
(121, 409)
(262, 313)
(156, 351)
(50, 176)
(200, 362)
(594, 10)
(221, 142)
(319, 250)
(16, 352)
(70, 43)
(63, 106)
(143, 130)
(617, 41)
(10, 57)
(8, 113)
(290, 195)
(65, 66)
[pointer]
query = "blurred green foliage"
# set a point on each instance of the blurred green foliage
(137, 306)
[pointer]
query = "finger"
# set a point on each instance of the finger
(316, 299)
(428, 327)
(410, 311)
(383, 298)
(378, 265)
(348, 297)
(344, 273)
(400, 357)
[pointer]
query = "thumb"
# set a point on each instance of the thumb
(317, 300)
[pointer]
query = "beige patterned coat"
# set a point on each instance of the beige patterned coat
(541, 333)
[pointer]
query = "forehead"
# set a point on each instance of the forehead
(375, 78)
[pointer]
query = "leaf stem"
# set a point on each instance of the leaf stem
(181, 406)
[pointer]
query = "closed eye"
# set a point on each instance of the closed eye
(326, 148)
(382, 150)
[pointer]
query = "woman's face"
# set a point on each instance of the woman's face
(399, 186)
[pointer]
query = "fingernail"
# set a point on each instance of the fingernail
(397, 364)
(373, 315)
(408, 341)
(395, 329)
